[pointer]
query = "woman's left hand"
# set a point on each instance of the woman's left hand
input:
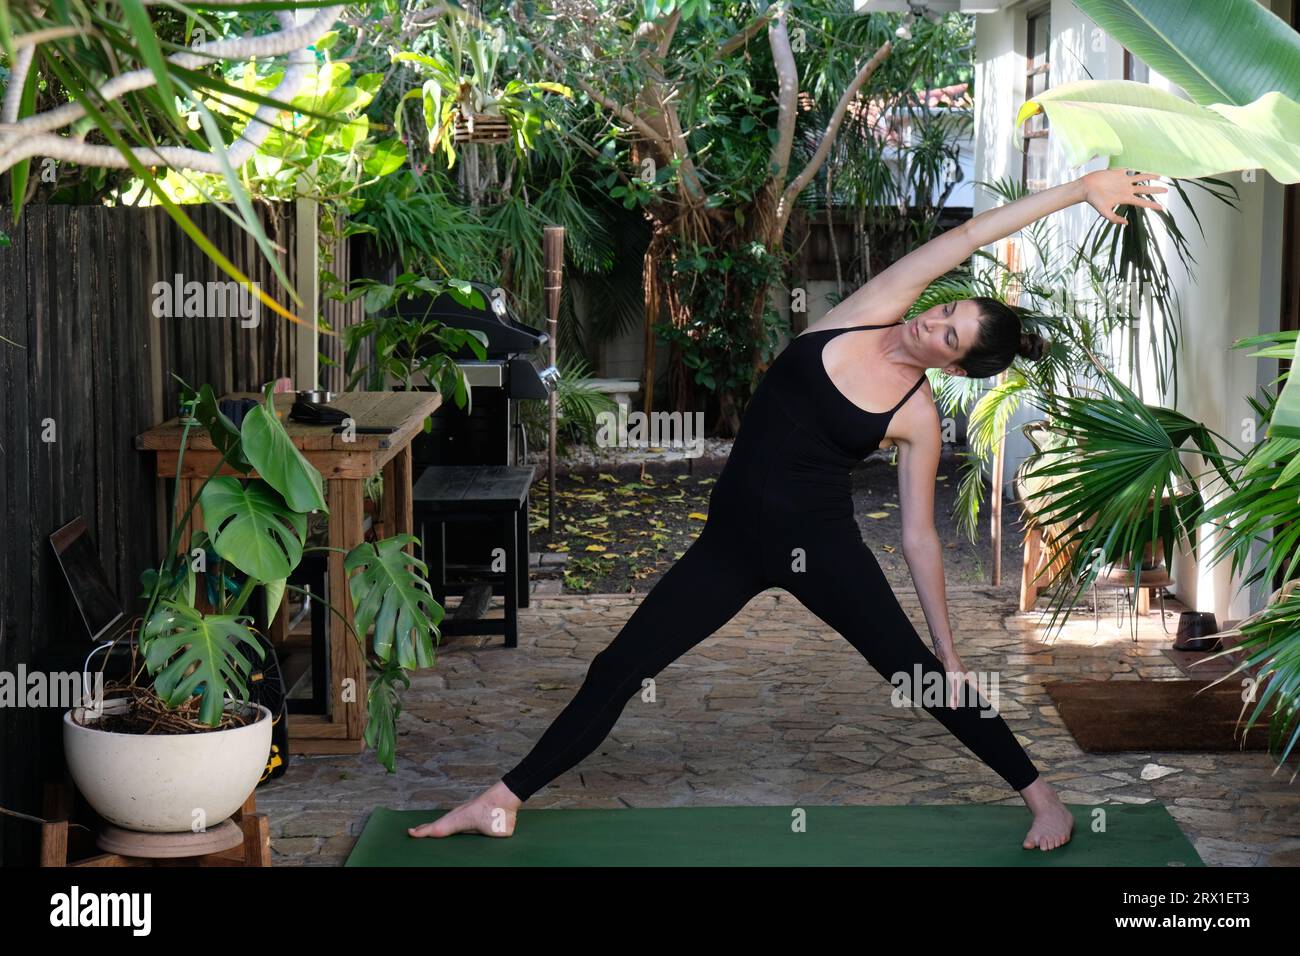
(955, 673)
(1105, 189)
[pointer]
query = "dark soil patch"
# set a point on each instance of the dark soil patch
(621, 534)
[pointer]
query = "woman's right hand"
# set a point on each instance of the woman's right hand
(1105, 189)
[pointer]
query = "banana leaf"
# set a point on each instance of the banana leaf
(1218, 51)
(1140, 127)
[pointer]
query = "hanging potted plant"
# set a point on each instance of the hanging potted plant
(478, 117)
(471, 106)
(179, 745)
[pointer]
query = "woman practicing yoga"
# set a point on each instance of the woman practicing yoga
(781, 513)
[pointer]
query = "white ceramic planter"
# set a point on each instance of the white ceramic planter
(158, 783)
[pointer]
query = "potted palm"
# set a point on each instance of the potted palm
(179, 745)
(1100, 482)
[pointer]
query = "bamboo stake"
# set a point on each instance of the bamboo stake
(553, 257)
(1011, 260)
(996, 509)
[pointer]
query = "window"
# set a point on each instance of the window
(1033, 173)
(1135, 69)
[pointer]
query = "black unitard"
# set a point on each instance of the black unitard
(780, 515)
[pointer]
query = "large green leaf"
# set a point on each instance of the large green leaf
(279, 463)
(383, 707)
(387, 157)
(389, 590)
(221, 430)
(1138, 126)
(190, 653)
(252, 529)
(274, 596)
(1218, 51)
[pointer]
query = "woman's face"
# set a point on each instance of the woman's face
(940, 335)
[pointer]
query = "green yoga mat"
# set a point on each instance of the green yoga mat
(949, 835)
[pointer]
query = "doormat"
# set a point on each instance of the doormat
(1140, 715)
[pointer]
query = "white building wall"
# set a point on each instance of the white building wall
(1233, 290)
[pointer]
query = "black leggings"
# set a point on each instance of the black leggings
(827, 566)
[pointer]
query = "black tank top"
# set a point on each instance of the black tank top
(798, 442)
(802, 386)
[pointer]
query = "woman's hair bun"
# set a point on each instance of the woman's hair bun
(1031, 346)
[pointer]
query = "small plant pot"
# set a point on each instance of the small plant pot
(1197, 631)
(165, 783)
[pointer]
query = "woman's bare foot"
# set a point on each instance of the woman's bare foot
(1053, 822)
(491, 813)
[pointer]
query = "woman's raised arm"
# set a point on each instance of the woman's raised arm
(889, 294)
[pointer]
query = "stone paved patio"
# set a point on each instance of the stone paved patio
(776, 708)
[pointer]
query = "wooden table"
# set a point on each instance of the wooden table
(344, 465)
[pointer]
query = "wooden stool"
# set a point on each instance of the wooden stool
(243, 840)
(469, 492)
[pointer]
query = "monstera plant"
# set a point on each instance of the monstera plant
(256, 536)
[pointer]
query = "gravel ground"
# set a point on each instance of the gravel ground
(622, 529)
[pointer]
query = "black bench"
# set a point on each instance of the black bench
(472, 493)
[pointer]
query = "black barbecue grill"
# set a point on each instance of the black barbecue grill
(490, 432)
